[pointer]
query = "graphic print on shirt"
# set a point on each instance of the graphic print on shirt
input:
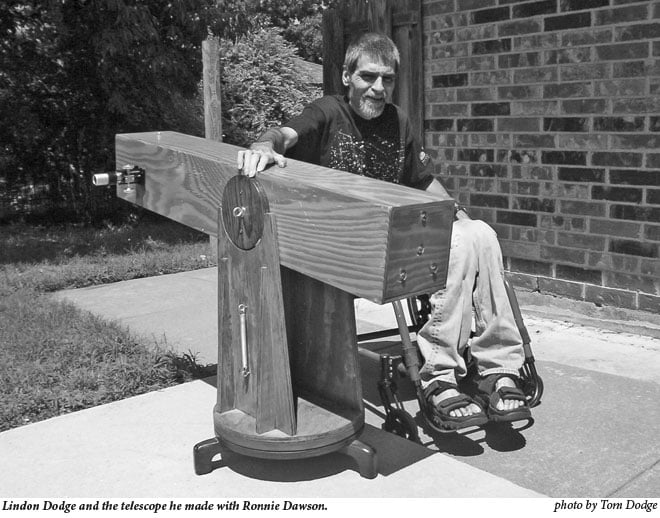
(379, 158)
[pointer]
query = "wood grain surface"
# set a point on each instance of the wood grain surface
(351, 232)
(251, 279)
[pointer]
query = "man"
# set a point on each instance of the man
(364, 133)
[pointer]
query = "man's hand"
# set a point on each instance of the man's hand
(255, 159)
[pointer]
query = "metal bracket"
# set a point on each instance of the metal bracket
(129, 174)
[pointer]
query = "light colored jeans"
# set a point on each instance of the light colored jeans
(475, 287)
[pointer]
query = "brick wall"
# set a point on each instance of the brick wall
(544, 118)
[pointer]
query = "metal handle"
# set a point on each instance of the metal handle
(242, 315)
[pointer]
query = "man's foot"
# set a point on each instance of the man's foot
(505, 403)
(502, 398)
(447, 409)
(469, 409)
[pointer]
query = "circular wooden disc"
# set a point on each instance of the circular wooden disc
(319, 431)
(243, 207)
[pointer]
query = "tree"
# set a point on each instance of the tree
(76, 72)
(73, 73)
(300, 21)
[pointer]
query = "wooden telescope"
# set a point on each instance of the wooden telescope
(295, 248)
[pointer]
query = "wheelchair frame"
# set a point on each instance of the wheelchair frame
(407, 364)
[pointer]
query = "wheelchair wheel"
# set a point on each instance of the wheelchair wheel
(401, 423)
(532, 384)
(419, 309)
(533, 390)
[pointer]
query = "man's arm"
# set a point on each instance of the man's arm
(436, 188)
(270, 148)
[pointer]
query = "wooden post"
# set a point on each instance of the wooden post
(407, 35)
(333, 52)
(212, 101)
(212, 89)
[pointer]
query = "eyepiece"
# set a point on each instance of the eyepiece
(126, 175)
(101, 179)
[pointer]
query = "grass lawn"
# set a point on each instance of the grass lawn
(55, 358)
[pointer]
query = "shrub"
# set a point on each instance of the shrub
(263, 85)
(307, 36)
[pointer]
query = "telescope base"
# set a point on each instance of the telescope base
(319, 432)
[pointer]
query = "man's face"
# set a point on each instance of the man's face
(370, 87)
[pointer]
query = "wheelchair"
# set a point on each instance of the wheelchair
(407, 365)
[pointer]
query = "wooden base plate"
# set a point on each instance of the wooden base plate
(318, 431)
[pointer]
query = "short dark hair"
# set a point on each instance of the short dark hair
(377, 47)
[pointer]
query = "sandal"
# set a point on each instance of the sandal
(489, 397)
(438, 415)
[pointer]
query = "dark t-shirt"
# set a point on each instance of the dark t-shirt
(331, 134)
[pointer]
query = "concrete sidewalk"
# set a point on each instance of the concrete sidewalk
(595, 432)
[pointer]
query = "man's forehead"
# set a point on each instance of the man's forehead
(369, 64)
